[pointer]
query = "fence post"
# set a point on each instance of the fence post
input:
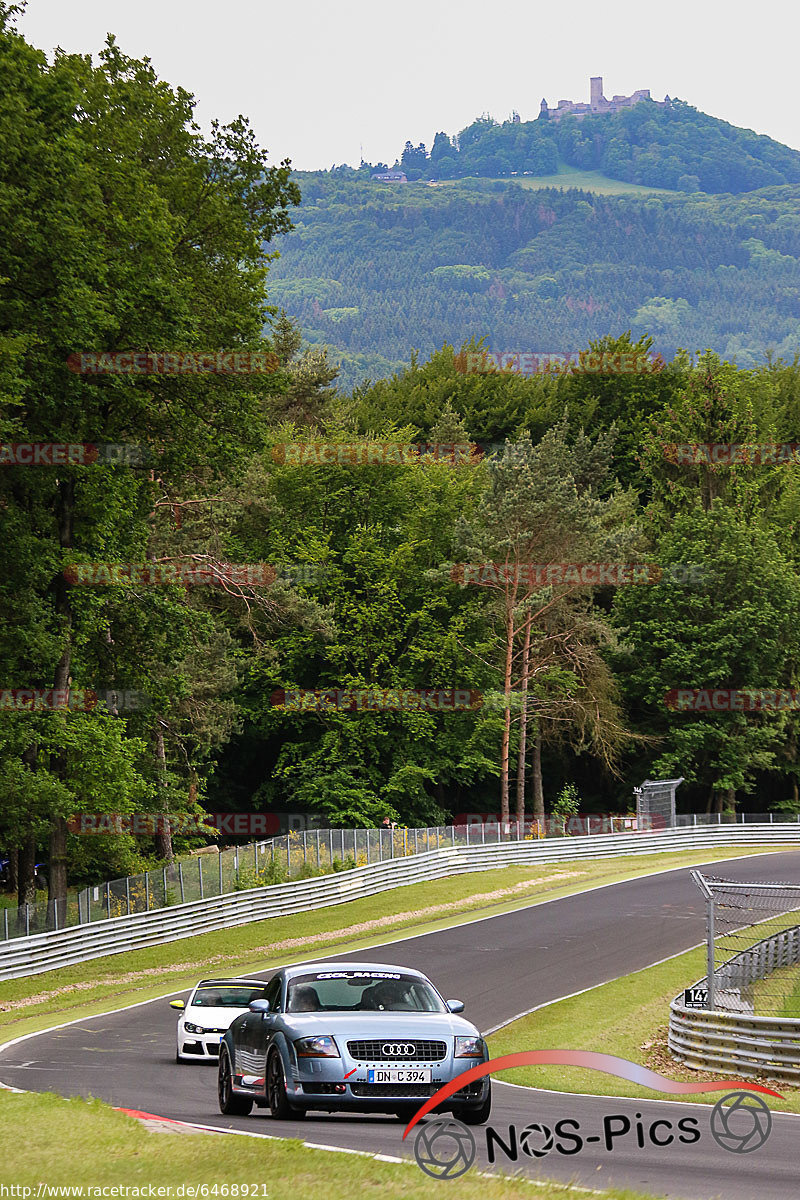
(108, 899)
(255, 857)
(27, 920)
(416, 840)
(55, 913)
(710, 956)
(342, 833)
(366, 831)
(305, 849)
(437, 837)
(180, 879)
(200, 873)
(5, 924)
(219, 856)
(316, 831)
(128, 892)
(147, 889)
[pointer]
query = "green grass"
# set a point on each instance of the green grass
(628, 1017)
(778, 994)
(575, 177)
(41, 1001)
(791, 1003)
(87, 1144)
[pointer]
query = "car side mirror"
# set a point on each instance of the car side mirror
(259, 1006)
(455, 1006)
(177, 1004)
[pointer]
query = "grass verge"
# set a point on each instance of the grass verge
(627, 1017)
(38, 1002)
(87, 1144)
(575, 177)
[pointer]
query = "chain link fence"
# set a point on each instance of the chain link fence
(305, 853)
(753, 946)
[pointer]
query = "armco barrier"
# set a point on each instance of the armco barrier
(712, 1040)
(59, 948)
(735, 1042)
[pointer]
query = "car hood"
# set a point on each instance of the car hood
(219, 1018)
(382, 1024)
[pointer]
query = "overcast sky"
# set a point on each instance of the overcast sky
(321, 79)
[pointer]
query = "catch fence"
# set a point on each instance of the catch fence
(303, 854)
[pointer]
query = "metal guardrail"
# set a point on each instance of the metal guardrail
(58, 948)
(218, 871)
(711, 1039)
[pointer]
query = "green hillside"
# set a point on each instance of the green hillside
(378, 270)
(572, 177)
(671, 146)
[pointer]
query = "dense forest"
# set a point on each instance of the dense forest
(366, 587)
(378, 271)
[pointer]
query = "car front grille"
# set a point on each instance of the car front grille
(372, 1050)
(400, 1090)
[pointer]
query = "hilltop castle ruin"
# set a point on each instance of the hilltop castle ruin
(598, 103)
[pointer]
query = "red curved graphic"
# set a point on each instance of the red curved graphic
(609, 1064)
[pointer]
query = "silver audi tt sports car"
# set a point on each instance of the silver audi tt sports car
(364, 1037)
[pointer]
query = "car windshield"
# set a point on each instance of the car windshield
(220, 995)
(361, 991)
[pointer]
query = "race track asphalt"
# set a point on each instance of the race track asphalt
(500, 966)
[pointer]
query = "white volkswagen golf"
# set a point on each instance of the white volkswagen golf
(208, 1012)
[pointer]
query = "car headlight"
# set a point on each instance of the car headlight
(190, 1028)
(322, 1046)
(469, 1047)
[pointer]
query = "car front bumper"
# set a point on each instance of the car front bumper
(203, 1046)
(333, 1083)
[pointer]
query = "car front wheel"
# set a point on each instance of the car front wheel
(277, 1099)
(230, 1105)
(472, 1114)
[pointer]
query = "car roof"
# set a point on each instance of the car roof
(307, 968)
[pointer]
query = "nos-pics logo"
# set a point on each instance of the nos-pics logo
(445, 1149)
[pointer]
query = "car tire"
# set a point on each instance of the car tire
(230, 1105)
(178, 1058)
(479, 1114)
(277, 1100)
(405, 1114)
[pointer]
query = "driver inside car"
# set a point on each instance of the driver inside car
(305, 999)
(387, 995)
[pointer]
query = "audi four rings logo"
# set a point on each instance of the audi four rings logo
(398, 1049)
